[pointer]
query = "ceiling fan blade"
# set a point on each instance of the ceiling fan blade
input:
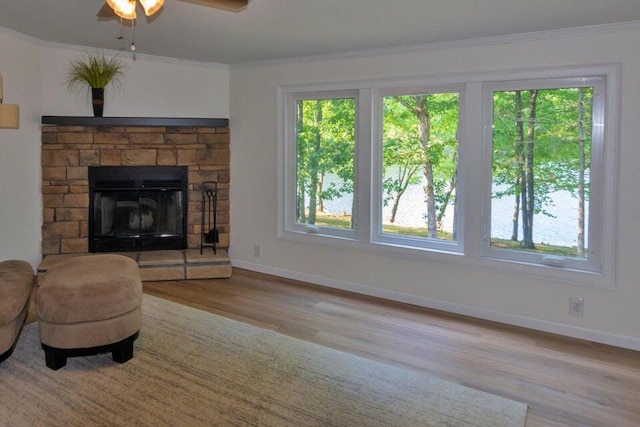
(230, 5)
(106, 12)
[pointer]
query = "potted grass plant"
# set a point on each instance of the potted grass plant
(94, 70)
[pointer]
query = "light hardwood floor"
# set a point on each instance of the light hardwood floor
(565, 382)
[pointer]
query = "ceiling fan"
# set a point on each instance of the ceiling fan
(126, 9)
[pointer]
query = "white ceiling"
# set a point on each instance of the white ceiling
(278, 29)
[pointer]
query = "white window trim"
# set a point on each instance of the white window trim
(290, 223)
(593, 263)
(377, 236)
(469, 252)
(603, 179)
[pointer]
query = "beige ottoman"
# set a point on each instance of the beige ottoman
(89, 305)
(16, 282)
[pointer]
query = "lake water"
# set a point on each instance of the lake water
(559, 229)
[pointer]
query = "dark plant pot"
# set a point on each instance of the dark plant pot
(97, 100)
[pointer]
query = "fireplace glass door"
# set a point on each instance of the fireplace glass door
(137, 214)
(124, 213)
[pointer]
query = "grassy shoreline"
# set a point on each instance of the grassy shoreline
(344, 222)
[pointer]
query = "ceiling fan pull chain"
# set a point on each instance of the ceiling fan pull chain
(121, 36)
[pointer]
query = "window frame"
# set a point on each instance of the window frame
(596, 181)
(290, 198)
(474, 173)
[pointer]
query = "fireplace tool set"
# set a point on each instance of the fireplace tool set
(209, 206)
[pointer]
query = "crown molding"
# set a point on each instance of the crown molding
(150, 58)
(454, 44)
(136, 56)
(29, 39)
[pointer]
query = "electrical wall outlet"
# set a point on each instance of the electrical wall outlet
(576, 306)
(257, 251)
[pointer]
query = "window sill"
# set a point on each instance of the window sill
(457, 259)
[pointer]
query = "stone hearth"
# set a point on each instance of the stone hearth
(71, 144)
(165, 265)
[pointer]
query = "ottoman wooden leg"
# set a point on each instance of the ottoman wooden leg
(121, 352)
(124, 350)
(54, 359)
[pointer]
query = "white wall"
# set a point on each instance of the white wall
(151, 87)
(611, 315)
(20, 200)
(34, 75)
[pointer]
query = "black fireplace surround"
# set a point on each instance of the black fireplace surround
(137, 208)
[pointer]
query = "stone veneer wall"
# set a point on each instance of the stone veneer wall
(67, 151)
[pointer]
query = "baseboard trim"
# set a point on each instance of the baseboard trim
(622, 341)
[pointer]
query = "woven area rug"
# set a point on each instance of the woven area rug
(193, 368)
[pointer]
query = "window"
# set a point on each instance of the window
(324, 139)
(546, 157)
(419, 170)
(516, 174)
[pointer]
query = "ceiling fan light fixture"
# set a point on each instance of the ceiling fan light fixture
(125, 9)
(151, 6)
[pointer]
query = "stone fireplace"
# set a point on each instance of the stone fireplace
(71, 145)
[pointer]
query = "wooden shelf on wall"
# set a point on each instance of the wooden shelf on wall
(133, 121)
